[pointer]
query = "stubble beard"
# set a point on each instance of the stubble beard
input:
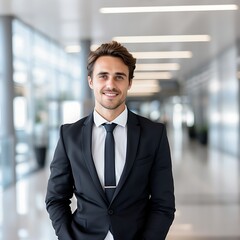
(112, 106)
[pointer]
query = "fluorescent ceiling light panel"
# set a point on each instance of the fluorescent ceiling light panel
(152, 75)
(140, 94)
(150, 83)
(166, 54)
(167, 38)
(157, 67)
(147, 82)
(187, 8)
(73, 49)
(152, 89)
(144, 87)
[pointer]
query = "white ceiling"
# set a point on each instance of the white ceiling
(68, 21)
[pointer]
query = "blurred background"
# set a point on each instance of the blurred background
(187, 76)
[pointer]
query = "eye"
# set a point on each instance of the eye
(103, 76)
(119, 77)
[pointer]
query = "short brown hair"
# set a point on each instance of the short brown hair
(113, 49)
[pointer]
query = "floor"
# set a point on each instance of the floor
(207, 188)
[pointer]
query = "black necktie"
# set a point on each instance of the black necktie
(109, 158)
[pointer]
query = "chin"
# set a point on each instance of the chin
(111, 106)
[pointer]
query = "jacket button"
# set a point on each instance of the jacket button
(110, 212)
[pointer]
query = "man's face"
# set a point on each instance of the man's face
(110, 83)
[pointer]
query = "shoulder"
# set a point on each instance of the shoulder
(147, 127)
(75, 127)
(143, 121)
(151, 130)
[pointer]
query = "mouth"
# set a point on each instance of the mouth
(110, 94)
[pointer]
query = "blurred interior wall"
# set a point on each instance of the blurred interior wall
(214, 95)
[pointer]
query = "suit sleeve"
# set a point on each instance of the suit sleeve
(162, 201)
(60, 191)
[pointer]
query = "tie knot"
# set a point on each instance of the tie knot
(109, 127)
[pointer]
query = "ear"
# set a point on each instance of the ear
(90, 82)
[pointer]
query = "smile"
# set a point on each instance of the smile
(110, 94)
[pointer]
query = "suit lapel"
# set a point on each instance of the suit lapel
(86, 139)
(133, 135)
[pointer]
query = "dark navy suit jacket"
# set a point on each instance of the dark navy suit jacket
(143, 204)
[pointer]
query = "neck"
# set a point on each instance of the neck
(110, 114)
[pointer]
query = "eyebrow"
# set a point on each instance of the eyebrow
(100, 73)
(121, 74)
(117, 73)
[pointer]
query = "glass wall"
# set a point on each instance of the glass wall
(214, 96)
(45, 78)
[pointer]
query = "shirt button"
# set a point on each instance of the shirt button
(110, 212)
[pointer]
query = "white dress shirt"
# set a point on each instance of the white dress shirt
(98, 140)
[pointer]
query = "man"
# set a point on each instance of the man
(141, 206)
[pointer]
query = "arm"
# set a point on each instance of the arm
(162, 202)
(60, 191)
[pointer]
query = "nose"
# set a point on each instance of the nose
(111, 83)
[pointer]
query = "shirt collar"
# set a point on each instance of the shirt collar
(119, 120)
